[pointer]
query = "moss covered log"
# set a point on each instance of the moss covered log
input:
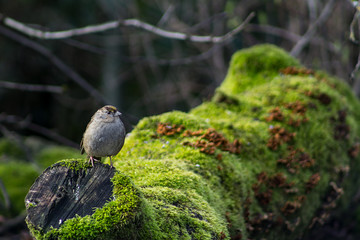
(273, 152)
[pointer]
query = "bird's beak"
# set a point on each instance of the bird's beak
(117, 114)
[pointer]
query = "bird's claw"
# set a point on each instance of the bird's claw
(91, 160)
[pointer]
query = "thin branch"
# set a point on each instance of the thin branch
(354, 80)
(31, 87)
(86, 47)
(12, 223)
(325, 14)
(56, 61)
(7, 201)
(355, 22)
(26, 124)
(186, 60)
(356, 69)
(143, 59)
(273, 30)
(35, 33)
(293, 37)
(352, 31)
(20, 142)
(166, 16)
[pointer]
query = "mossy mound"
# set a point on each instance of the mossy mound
(274, 150)
(254, 66)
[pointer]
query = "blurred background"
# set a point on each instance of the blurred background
(143, 74)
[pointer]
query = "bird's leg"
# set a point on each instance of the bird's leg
(92, 159)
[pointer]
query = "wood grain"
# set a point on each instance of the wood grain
(61, 193)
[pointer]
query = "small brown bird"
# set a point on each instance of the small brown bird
(104, 135)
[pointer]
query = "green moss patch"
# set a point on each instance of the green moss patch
(10, 150)
(17, 178)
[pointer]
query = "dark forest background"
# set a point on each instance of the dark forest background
(143, 73)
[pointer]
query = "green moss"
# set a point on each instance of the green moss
(255, 66)
(184, 213)
(9, 149)
(185, 192)
(17, 178)
(74, 164)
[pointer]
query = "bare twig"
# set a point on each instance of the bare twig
(32, 32)
(355, 20)
(293, 37)
(20, 142)
(356, 81)
(273, 30)
(26, 124)
(31, 87)
(36, 33)
(182, 36)
(144, 59)
(12, 223)
(325, 14)
(166, 16)
(7, 201)
(356, 69)
(355, 39)
(207, 21)
(187, 60)
(86, 47)
(56, 61)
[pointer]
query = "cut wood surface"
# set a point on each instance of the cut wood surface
(61, 193)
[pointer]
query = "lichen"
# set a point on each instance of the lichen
(292, 130)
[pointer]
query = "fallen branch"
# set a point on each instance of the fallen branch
(36, 33)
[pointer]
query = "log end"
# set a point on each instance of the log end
(71, 194)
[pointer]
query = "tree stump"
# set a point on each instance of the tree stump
(61, 193)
